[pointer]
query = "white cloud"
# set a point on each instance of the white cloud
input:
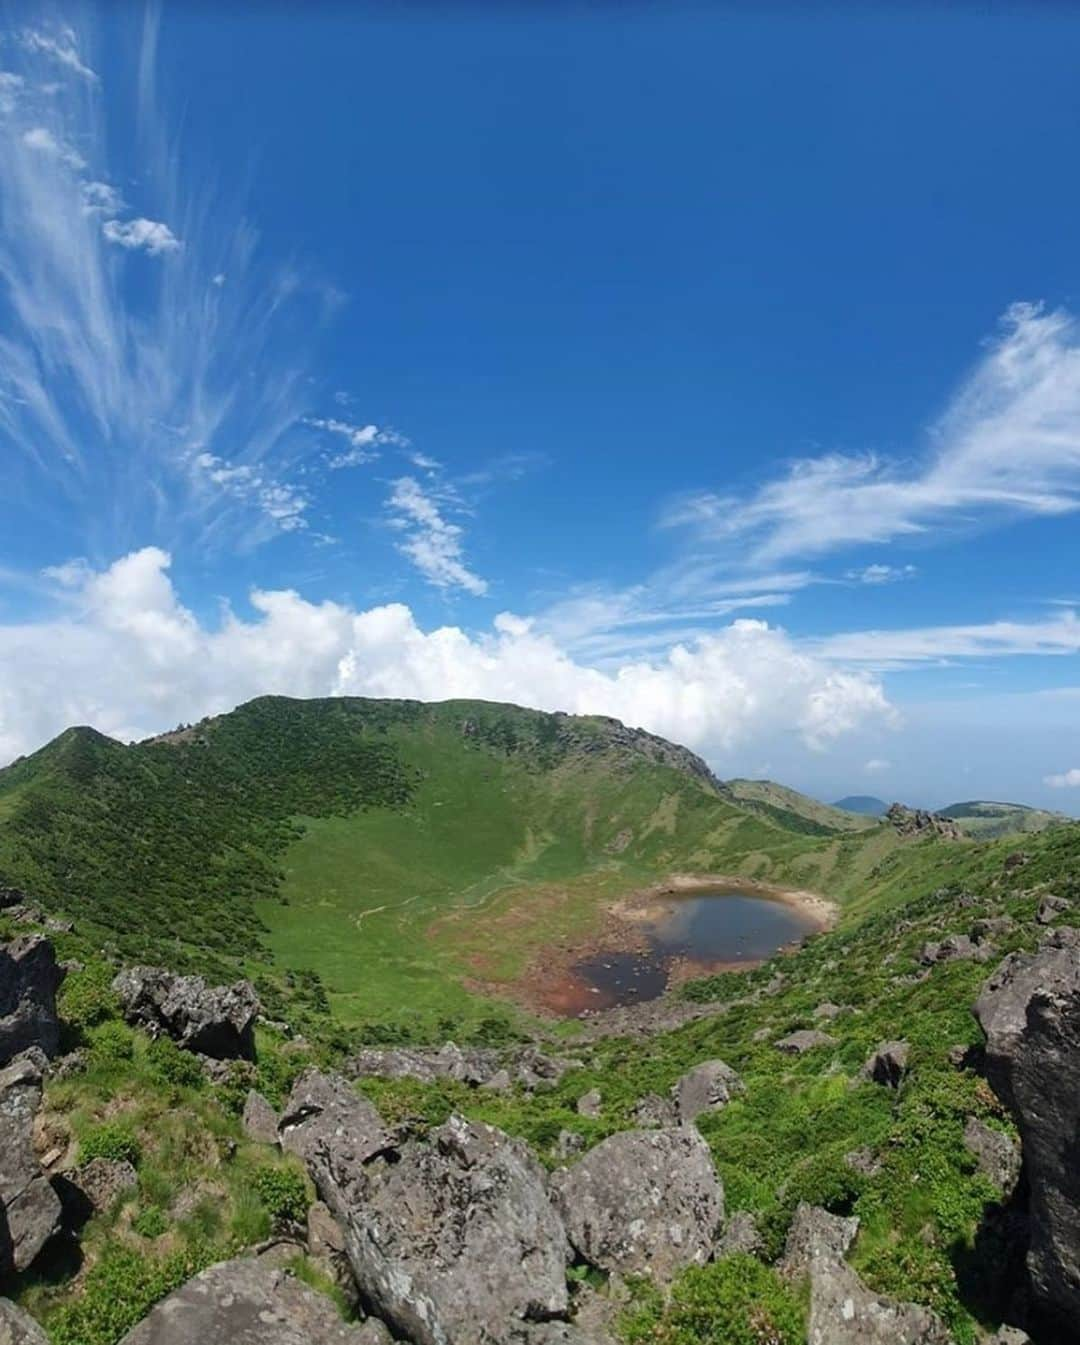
(362, 439)
(1066, 780)
(1008, 445)
(937, 644)
(279, 501)
(125, 655)
(40, 138)
(61, 47)
(876, 765)
(145, 235)
(11, 86)
(431, 542)
(101, 198)
(881, 574)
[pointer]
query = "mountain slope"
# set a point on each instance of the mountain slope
(769, 798)
(866, 804)
(985, 819)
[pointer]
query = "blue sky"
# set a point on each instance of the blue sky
(716, 368)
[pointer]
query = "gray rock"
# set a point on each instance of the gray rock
(955, 948)
(102, 1180)
(642, 1202)
(453, 1240)
(863, 1161)
(991, 927)
(216, 1021)
(1030, 1011)
(1050, 908)
(472, 1066)
(533, 1068)
(29, 1207)
(842, 1310)
(371, 1332)
(828, 1011)
(569, 1143)
(806, 1039)
(326, 1247)
(654, 1110)
(29, 980)
(500, 1082)
(590, 1103)
(18, 1327)
(888, 1065)
(260, 1120)
(244, 1302)
(1009, 1335)
(998, 1157)
(740, 1237)
(709, 1086)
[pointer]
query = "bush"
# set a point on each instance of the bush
(86, 997)
(284, 1193)
(109, 1140)
(736, 1301)
(174, 1066)
(111, 1044)
(150, 1222)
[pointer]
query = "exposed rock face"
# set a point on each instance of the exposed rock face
(217, 1021)
(642, 1202)
(955, 948)
(29, 980)
(806, 1039)
(454, 1240)
(741, 1235)
(479, 1067)
(842, 1310)
(103, 1179)
(653, 1110)
(888, 1065)
(17, 1328)
(326, 1247)
(1050, 908)
(1030, 1012)
(244, 1302)
(707, 1087)
(590, 1103)
(260, 1119)
(998, 1156)
(29, 1207)
(917, 823)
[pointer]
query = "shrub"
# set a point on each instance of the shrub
(150, 1222)
(735, 1301)
(86, 997)
(111, 1044)
(174, 1066)
(111, 1139)
(283, 1191)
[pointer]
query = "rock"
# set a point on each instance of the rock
(888, 1065)
(917, 823)
(955, 948)
(260, 1120)
(371, 1332)
(102, 1180)
(500, 1082)
(1029, 1010)
(709, 1086)
(806, 1039)
(473, 1066)
(453, 1240)
(533, 1068)
(992, 927)
(18, 1327)
(842, 1310)
(1015, 860)
(740, 1236)
(244, 1302)
(761, 1034)
(326, 1247)
(1008, 1335)
(216, 1021)
(569, 1143)
(29, 980)
(863, 1161)
(654, 1110)
(997, 1156)
(828, 1011)
(1050, 908)
(29, 1207)
(589, 1104)
(642, 1202)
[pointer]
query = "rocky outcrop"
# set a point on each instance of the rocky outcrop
(642, 1202)
(1029, 1010)
(245, 1302)
(843, 1311)
(707, 1087)
(215, 1021)
(260, 1120)
(29, 1207)
(653, 1110)
(997, 1156)
(17, 1328)
(806, 1039)
(590, 1104)
(1050, 908)
(955, 948)
(477, 1066)
(102, 1180)
(449, 1240)
(888, 1065)
(740, 1237)
(917, 823)
(29, 980)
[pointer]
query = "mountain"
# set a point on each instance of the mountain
(985, 819)
(865, 804)
(784, 804)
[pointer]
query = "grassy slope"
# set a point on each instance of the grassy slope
(770, 795)
(985, 820)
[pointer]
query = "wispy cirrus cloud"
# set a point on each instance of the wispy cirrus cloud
(1008, 445)
(884, 649)
(430, 540)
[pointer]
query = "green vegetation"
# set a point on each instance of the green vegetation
(787, 805)
(986, 820)
(736, 1301)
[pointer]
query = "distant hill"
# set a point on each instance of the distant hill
(985, 819)
(865, 804)
(783, 805)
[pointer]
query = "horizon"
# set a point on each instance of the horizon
(715, 370)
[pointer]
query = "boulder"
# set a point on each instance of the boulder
(997, 1156)
(18, 1327)
(452, 1240)
(569, 1142)
(864, 1161)
(740, 1237)
(1029, 1010)
(642, 1202)
(371, 1332)
(472, 1066)
(707, 1087)
(326, 1247)
(260, 1120)
(654, 1110)
(29, 1207)
(244, 1302)
(828, 1011)
(29, 980)
(1050, 908)
(806, 1039)
(590, 1103)
(216, 1021)
(102, 1180)
(956, 948)
(842, 1310)
(888, 1065)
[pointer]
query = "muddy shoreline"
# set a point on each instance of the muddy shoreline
(551, 987)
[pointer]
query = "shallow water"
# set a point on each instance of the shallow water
(710, 929)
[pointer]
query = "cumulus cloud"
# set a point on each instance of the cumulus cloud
(876, 765)
(40, 138)
(881, 574)
(431, 541)
(145, 235)
(1066, 780)
(1008, 445)
(125, 655)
